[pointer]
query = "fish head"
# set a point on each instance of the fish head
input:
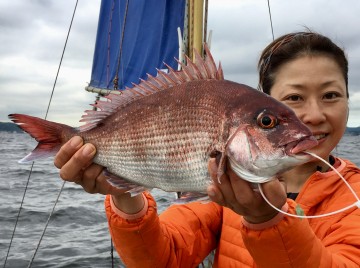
(268, 140)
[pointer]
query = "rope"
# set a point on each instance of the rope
(191, 29)
(116, 79)
(272, 29)
(26, 186)
(206, 8)
(108, 48)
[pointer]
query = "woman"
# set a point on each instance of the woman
(307, 72)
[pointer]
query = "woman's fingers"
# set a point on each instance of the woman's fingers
(240, 196)
(73, 158)
(74, 168)
(213, 190)
(223, 192)
(67, 151)
(275, 192)
(92, 179)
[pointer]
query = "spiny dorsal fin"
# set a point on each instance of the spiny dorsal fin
(200, 69)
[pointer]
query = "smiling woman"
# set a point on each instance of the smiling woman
(313, 81)
(314, 96)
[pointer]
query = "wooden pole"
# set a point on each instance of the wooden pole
(196, 26)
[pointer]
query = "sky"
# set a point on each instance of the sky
(33, 33)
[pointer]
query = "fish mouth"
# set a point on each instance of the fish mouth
(299, 146)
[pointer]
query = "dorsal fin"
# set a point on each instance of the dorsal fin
(200, 69)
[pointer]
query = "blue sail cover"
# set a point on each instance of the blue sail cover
(150, 39)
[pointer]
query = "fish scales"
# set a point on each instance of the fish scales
(169, 144)
(162, 132)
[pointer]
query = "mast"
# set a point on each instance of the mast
(196, 26)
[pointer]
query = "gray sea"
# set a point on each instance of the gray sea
(77, 234)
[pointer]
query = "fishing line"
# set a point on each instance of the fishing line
(356, 204)
(32, 165)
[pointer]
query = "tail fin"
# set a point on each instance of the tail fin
(49, 135)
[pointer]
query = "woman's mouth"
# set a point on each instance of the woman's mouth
(320, 136)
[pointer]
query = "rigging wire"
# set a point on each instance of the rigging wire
(47, 111)
(206, 11)
(271, 24)
(62, 56)
(46, 224)
(18, 215)
(116, 79)
(109, 39)
(32, 165)
(112, 253)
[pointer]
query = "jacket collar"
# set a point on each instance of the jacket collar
(320, 186)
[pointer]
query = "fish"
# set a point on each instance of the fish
(161, 132)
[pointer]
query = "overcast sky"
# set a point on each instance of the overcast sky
(33, 33)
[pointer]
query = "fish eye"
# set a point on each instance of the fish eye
(266, 120)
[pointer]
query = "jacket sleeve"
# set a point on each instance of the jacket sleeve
(182, 236)
(293, 243)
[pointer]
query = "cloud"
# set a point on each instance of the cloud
(30, 53)
(34, 33)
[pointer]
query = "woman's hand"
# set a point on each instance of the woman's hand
(238, 195)
(74, 160)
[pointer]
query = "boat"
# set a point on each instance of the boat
(136, 39)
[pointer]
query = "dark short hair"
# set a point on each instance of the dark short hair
(291, 46)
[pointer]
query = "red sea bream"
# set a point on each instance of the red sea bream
(162, 132)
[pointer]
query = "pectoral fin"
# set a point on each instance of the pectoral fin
(123, 184)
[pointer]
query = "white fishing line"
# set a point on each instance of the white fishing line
(356, 204)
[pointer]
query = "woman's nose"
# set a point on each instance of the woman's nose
(313, 113)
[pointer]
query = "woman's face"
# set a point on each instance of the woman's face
(314, 87)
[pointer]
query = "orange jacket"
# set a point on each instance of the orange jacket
(183, 235)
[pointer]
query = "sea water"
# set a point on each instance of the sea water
(77, 235)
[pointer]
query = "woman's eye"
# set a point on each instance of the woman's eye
(331, 95)
(293, 98)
